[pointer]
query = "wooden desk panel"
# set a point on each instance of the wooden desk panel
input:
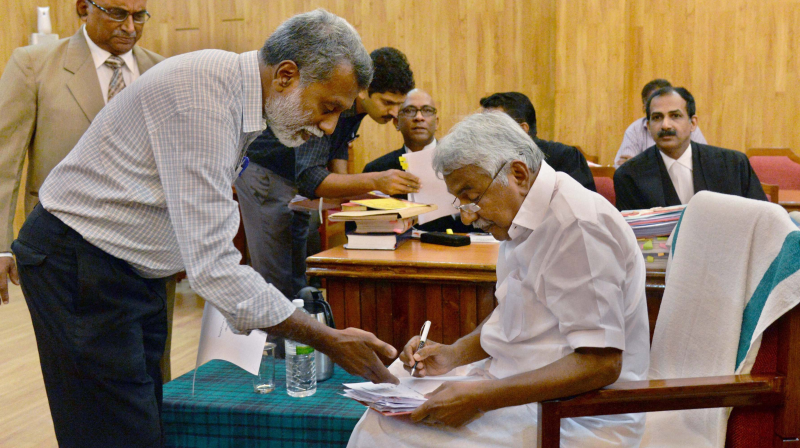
(789, 199)
(392, 293)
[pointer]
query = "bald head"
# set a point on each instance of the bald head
(417, 120)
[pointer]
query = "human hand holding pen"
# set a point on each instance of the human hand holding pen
(433, 359)
(426, 327)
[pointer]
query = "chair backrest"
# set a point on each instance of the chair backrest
(777, 166)
(771, 191)
(604, 182)
(589, 157)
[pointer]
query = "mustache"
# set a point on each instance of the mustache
(667, 132)
(122, 33)
(315, 131)
(482, 224)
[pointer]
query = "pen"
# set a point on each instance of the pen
(423, 336)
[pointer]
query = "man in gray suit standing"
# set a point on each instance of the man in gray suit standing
(50, 93)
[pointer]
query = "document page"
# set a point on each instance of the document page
(432, 190)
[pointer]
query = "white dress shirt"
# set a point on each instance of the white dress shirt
(130, 71)
(571, 276)
(680, 172)
(150, 181)
(428, 146)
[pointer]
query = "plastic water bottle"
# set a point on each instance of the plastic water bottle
(301, 368)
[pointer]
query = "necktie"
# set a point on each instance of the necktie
(117, 82)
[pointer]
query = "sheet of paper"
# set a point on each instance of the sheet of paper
(385, 203)
(432, 189)
(217, 341)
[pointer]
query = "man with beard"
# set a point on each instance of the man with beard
(276, 235)
(147, 193)
(417, 121)
(675, 168)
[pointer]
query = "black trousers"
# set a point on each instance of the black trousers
(100, 329)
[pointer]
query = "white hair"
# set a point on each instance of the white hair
(488, 140)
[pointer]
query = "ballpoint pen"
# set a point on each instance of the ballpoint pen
(423, 336)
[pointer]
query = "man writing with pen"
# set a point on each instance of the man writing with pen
(571, 312)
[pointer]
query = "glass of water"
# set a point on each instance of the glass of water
(264, 382)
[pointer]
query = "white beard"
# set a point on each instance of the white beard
(287, 120)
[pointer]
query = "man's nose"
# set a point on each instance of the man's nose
(468, 217)
(328, 124)
(393, 110)
(418, 116)
(127, 25)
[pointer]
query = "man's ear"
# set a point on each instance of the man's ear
(82, 8)
(525, 127)
(396, 124)
(694, 122)
(286, 76)
(521, 175)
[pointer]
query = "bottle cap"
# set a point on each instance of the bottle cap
(298, 303)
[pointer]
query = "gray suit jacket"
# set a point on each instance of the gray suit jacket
(49, 95)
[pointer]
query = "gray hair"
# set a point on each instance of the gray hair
(488, 140)
(318, 42)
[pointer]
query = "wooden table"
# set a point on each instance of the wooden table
(392, 293)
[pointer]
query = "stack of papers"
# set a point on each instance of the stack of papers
(658, 221)
(401, 399)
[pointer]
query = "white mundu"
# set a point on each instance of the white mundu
(571, 276)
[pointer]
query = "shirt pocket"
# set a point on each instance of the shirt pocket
(516, 315)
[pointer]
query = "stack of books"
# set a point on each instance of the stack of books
(652, 228)
(381, 224)
(658, 221)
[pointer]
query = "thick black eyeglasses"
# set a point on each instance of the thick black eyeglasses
(121, 15)
(473, 207)
(411, 111)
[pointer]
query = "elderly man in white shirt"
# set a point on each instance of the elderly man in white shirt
(571, 313)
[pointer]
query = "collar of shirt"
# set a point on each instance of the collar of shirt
(536, 203)
(685, 159)
(99, 56)
(252, 107)
(428, 146)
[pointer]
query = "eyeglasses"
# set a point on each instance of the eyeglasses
(121, 15)
(411, 111)
(473, 207)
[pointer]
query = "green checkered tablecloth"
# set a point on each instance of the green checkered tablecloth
(225, 411)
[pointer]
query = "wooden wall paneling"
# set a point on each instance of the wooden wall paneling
(451, 314)
(369, 307)
(416, 309)
(385, 312)
(485, 300)
(582, 63)
(334, 294)
(352, 303)
(399, 298)
(468, 308)
(433, 310)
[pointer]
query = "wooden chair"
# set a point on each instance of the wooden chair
(771, 191)
(604, 181)
(589, 157)
(766, 402)
(777, 166)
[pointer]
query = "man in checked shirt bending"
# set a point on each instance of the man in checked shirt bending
(146, 193)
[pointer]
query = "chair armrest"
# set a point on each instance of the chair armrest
(673, 394)
(660, 395)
